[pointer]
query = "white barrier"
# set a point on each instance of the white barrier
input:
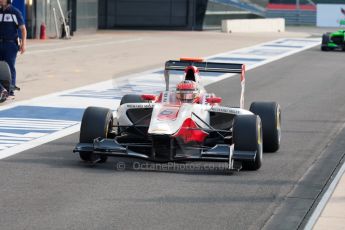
(253, 25)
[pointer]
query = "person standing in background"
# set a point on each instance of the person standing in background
(11, 20)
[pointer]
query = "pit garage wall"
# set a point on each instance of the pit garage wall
(82, 14)
(179, 14)
(41, 11)
(86, 15)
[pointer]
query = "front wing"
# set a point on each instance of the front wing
(218, 153)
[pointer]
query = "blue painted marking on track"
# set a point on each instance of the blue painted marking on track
(264, 52)
(283, 46)
(28, 119)
(238, 59)
(23, 124)
(116, 93)
(296, 40)
(26, 131)
(37, 112)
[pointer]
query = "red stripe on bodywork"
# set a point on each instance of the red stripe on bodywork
(243, 73)
(189, 132)
(273, 6)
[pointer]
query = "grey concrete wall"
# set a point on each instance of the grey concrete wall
(87, 14)
(151, 13)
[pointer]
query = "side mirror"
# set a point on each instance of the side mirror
(214, 100)
(148, 97)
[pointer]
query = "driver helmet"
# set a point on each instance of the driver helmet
(187, 91)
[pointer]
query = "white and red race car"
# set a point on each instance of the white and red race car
(183, 124)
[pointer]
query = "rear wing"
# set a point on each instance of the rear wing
(215, 67)
(205, 66)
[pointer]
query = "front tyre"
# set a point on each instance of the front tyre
(247, 136)
(325, 41)
(325, 48)
(96, 123)
(5, 76)
(270, 114)
(131, 98)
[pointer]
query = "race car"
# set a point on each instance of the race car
(183, 123)
(332, 41)
(5, 81)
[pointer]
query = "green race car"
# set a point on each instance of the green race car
(332, 41)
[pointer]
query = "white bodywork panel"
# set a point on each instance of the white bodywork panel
(168, 115)
(171, 126)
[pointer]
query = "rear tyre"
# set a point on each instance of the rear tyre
(325, 48)
(247, 136)
(325, 41)
(270, 114)
(131, 98)
(96, 123)
(5, 75)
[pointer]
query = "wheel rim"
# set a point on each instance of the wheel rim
(103, 158)
(259, 135)
(278, 125)
(260, 147)
(108, 128)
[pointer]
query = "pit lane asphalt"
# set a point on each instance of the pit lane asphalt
(49, 188)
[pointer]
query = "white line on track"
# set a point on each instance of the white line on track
(66, 42)
(28, 135)
(39, 141)
(15, 138)
(36, 124)
(35, 120)
(324, 200)
(11, 141)
(84, 46)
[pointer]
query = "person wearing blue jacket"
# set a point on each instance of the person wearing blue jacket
(11, 21)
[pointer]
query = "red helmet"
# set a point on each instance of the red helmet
(187, 91)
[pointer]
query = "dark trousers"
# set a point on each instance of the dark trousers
(8, 53)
